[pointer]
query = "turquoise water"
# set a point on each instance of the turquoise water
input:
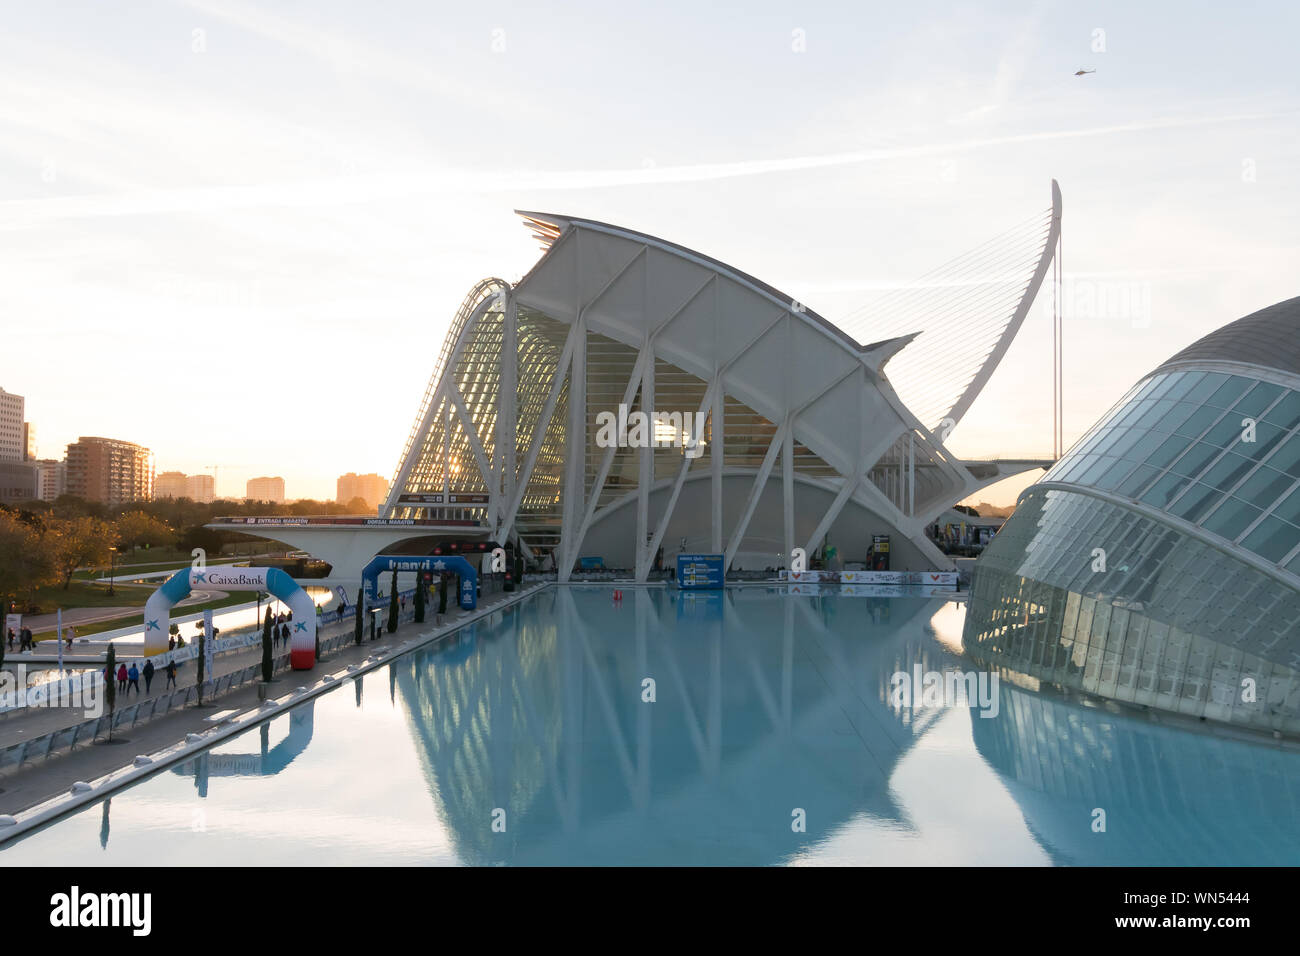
(527, 739)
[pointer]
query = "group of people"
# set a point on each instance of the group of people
(27, 642)
(280, 628)
(128, 678)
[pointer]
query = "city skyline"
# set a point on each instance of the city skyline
(158, 165)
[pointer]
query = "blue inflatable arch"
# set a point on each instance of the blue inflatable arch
(451, 563)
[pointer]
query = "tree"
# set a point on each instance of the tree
(26, 561)
(419, 598)
(268, 664)
(208, 539)
(361, 595)
(392, 605)
(110, 688)
(79, 542)
(136, 529)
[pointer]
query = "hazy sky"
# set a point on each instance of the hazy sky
(235, 232)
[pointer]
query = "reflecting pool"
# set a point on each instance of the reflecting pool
(746, 727)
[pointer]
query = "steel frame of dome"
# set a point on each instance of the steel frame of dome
(610, 316)
(1189, 490)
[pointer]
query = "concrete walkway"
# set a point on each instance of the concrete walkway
(34, 783)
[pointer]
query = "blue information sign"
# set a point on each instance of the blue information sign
(697, 571)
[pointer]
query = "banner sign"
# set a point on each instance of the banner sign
(437, 498)
(940, 579)
(241, 579)
(910, 578)
(209, 645)
(327, 521)
(696, 571)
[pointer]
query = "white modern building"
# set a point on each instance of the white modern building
(630, 398)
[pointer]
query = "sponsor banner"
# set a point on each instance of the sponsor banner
(13, 622)
(451, 499)
(327, 522)
(912, 578)
(236, 579)
(877, 590)
(699, 571)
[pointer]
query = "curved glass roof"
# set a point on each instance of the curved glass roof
(1221, 452)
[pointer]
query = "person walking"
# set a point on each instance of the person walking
(171, 674)
(70, 633)
(11, 631)
(25, 642)
(133, 679)
(148, 675)
(121, 678)
(284, 633)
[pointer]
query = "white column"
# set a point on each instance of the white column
(575, 445)
(646, 474)
(787, 489)
(716, 460)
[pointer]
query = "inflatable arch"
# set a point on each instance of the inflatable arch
(264, 764)
(434, 562)
(302, 630)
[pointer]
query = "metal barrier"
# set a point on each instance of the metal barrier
(68, 738)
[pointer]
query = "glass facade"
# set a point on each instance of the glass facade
(1157, 618)
(1219, 451)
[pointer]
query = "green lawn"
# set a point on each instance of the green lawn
(126, 620)
(161, 559)
(84, 594)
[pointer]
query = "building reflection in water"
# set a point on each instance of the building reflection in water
(763, 704)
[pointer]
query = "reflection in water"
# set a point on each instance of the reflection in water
(269, 761)
(749, 723)
(674, 728)
(1172, 797)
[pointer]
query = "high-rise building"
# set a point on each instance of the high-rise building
(18, 480)
(169, 484)
(29, 441)
(371, 488)
(109, 471)
(51, 478)
(177, 484)
(11, 426)
(202, 488)
(265, 489)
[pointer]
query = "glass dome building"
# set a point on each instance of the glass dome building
(1158, 562)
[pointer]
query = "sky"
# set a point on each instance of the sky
(236, 232)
